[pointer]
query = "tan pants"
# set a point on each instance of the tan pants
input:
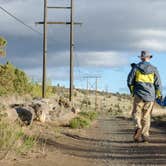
(142, 114)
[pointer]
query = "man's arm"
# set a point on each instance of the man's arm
(158, 85)
(131, 80)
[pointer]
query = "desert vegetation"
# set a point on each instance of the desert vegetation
(25, 117)
(83, 120)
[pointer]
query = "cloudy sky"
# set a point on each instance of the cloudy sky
(111, 37)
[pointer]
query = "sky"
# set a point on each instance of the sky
(112, 36)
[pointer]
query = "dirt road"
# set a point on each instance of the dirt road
(108, 142)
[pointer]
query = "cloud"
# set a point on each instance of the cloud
(156, 45)
(107, 25)
(61, 59)
(103, 59)
(151, 33)
(111, 32)
(53, 73)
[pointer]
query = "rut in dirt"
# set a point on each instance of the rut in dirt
(110, 141)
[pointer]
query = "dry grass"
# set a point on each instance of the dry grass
(14, 99)
(13, 140)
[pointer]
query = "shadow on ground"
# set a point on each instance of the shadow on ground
(114, 145)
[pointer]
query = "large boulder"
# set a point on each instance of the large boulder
(26, 114)
(41, 109)
(12, 114)
(36, 110)
(8, 113)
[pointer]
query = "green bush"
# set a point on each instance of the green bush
(83, 120)
(79, 122)
(28, 143)
(13, 80)
(91, 115)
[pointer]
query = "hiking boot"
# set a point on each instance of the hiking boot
(137, 135)
(145, 139)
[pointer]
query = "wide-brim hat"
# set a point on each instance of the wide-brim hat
(145, 54)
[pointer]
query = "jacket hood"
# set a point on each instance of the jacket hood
(145, 67)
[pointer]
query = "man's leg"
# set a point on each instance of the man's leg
(137, 117)
(146, 119)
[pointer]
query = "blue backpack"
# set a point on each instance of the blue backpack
(161, 102)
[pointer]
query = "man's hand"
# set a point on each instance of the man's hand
(159, 95)
(132, 90)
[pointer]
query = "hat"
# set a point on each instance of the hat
(145, 54)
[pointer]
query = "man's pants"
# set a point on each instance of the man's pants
(142, 114)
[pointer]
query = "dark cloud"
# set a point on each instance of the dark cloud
(109, 27)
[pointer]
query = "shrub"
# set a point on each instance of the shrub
(79, 122)
(91, 115)
(83, 120)
(27, 144)
(13, 80)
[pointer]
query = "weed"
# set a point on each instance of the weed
(79, 122)
(83, 120)
(91, 115)
(28, 143)
(14, 140)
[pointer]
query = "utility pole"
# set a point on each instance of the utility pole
(96, 103)
(87, 86)
(91, 86)
(45, 30)
(45, 24)
(71, 51)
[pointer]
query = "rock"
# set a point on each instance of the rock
(64, 102)
(26, 114)
(11, 114)
(41, 109)
(75, 110)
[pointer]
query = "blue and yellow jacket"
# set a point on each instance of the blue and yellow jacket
(144, 81)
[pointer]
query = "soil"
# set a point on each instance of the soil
(108, 142)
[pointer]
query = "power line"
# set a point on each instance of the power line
(20, 21)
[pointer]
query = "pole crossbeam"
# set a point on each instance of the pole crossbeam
(59, 22)
(56, 7)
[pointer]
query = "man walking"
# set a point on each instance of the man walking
(145, 85)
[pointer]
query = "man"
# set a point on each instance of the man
(145, 85)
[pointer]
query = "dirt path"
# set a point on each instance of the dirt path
(108, 142)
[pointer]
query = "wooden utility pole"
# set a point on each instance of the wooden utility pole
(87, 86)
(45, 24)
(45, 30)
(71, 51)
(96, 88)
